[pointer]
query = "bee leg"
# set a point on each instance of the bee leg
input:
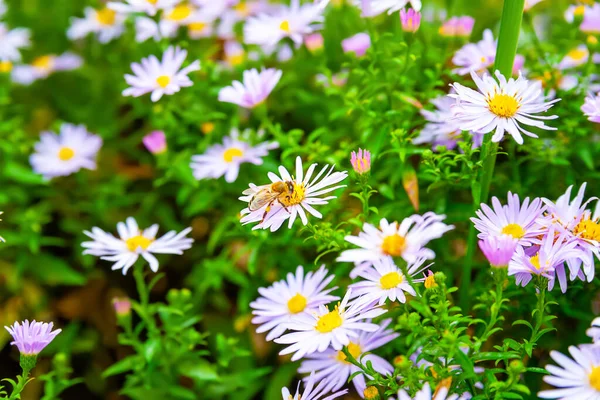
(266, 212)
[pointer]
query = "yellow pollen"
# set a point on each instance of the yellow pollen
(207, 127)
(371, 393)
(153, 2)
(579, 11)
(297, 303)
(232, 153)
(390, 280)
(180, 12)
(294, 198)
(514, 230)
(430, 282)
(66, 153)
(483, 59)
(588, 229)
(595, 378)
(353, 349)
(285, 26)
(43, 62)
(197, 26)
(138, 242)
(5, 66)
(329, 321)
(503, 105)
(236, 59)
(242, 8)
(163, 81)
(577, 54)
(106, 16)
(393, 245)
(535, 260)
(592, 40)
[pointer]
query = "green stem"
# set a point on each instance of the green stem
(16, 394)
(144, 293)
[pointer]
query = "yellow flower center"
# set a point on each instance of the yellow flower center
(207, 127)
(43, 62)
(393, 245)
(430, 282)
(579, 11)
(66, 153)
(595, 378)
(163, 81)
(329, 321)
(236, 59)
(503, 105)
(294, 198)
(197, 26)
(5, 66)
(138, 241)
(285, 26)
(242, 8)
(371, 393)
(390, 280)
(153, 2)
(353, 349)
(514, 230)
(297, 303)
(577, 54)
(106, 16)
(588, 229)
(535, 260)
(180, 12)
(232, 153)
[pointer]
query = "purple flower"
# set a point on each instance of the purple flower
(357, 44)
(498, 249)
(255, 89)
(31, 338)
(411, 20)
(591, 108)
(361, 162)
(122, 306)
(457, 26)
(314, 42)
(155, 142)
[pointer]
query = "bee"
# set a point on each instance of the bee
(280, 191)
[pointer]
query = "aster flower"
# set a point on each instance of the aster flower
(476, 56)
(12, 41)
(66, 153)
(575, 58)
(406, 239)
(361, 162)
(594, 331)
(574, 378)
(155, 142)
(254, 90)
(591, 108)
(122, 306)
(591, 20)
(326, 327)
(503, 106)
(357, 44)
(160, 77)
(410, 20)
(498, 250)
(332, 365)
(386, 281)
(373, 8)
(314, 42)
(234, 53)
(297, 294)
(288, 197)
(295, 22)
(458, 27)
(106, 23)
(225, 159)
(44, 66)
(32, 338)
(133, 242)
(150, 7)
(312, 391)
(515, 219)
(441, 393)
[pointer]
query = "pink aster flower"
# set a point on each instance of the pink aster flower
(314, 42)
(457, 27)
(411, 20)
(476, 56)
(32, 338)
(591, 20)
(155, 142)
(254, 90)
(498, 249)
(357, 44)
(591, 108)
(361, 162)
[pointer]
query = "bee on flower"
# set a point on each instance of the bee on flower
(312, 391)
(106, 23)
(254, 90)
(44, 66)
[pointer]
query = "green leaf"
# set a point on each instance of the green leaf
(201, 371)
(124, 365)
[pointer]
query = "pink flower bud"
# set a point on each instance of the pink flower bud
(457, 27)
(361, 162)
(357, 44)
(498, 250)
(155, 142)
(314, 42)
(122, 306)
(411, 20)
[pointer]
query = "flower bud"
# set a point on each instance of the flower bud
(371, 393)
(357, 44)
(361, 162)
(122, 306)
(411, 20)
(155, 142)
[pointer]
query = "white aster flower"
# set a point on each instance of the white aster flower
(160, 77)
(501, 106)
(574, 378)
(371, 8)
(254, 90)
(594, 331)
(323, 328)
(12, 41)
(333, 366)
(181, 15)
(44, 66)
(150, 7)
(591, 108)
(285, 299)
(575, 58)
(3, 8)
(106, 23)
(312, 391)
(234, 53)
(287, 198)
(63, 154)
(476, 56)
(295, 22)
(406, 240)
(441, 393)
(133, 242)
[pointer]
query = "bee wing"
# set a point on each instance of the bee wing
(261, 199)
(255, 189)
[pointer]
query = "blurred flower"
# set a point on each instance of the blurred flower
(225, 159)
(575, 57)
(317, 331)
(440, 393)
(63, 154)
(200, 29)
(357, 44)
(530, 3)
(594, 331)
(519, 221)
(283, 300)
(331, 365)
(406, 240)
(155, 142)
(106, 23)
(591, 108)
(373, 8)
(385, 280)
(457, 27)
(122, 306)
(314, 42)
(12, 41)
(44, 66)
(518, 64)
(254, 90)
(429, 282)
(312, 391)
(577, 377)
(498, 249)
(234, 53)
(2, 8)
(591, 19)
(1, 238)
(133, 242)
(361, 162)
(150, 7)
(160, 77)
(476, 56)
(501, 106)
(32, 338)
(411, 20)
(295, 22)
(295, 200)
